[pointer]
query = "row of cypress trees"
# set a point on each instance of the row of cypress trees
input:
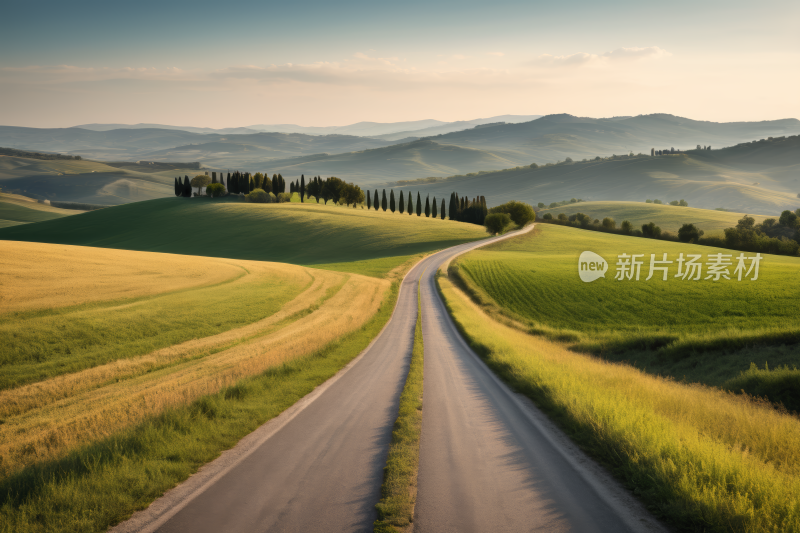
(183, 188)
(461, 209)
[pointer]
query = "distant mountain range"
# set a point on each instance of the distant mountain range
(396, 130)
(375, 161)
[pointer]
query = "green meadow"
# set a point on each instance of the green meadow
(706, 331)
(323, 236)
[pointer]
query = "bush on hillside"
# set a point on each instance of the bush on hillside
(259, 196)
(519, 212)
(496, 223)
(608, 223)
(215, 190)
(283, 197)
(689, 233)
(547, 216)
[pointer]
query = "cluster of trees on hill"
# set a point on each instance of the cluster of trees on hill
(772, 236)
(13, 152)
(460, 208)
(681, 203)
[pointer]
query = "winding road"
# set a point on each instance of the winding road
(489, 461)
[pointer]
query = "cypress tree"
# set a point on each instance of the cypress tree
(384, 203)
(291, 187)
(391, 200)
(369, 201)
(433, 208)
(175, 180)
(281, 183)
(228, 182)
(375, 202)
(419, 205)
(410, 207)
(187, 187)
(427, 206)
(213, 177)
(275, 184)
(442, 213)
(302, 186)
(402, 207)
(252, 184)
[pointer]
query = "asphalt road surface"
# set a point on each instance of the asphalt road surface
(485, 464)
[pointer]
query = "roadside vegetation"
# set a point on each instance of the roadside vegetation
(700, 458)
(702, 331)
(399, 489)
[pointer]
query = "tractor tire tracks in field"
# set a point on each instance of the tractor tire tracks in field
(489, 460)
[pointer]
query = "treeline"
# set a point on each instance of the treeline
(772, 236)
(36, 155)
(461, 209)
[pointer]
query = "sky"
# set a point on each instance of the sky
(231, 63)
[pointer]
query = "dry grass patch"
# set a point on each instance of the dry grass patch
(47, 276)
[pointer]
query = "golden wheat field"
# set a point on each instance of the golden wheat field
(308, 308)
(46, 276)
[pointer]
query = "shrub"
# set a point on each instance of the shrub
(519, 212)
(259, 196)
(547, 216)
(626, 227)
(216, 190)
(608, 223)
(284, 197)
(689, 233)
(651, 230)
(496, 222)
(781, 385)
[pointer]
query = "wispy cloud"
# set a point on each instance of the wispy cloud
(614, 56)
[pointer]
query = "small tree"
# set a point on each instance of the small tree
(651, 230)
(391, 201)
(626, 227)
(302, 186)
(441, 212)
(187, 188)
(419, 204)
(215, 190)
(520, 212)
(541, 205)
(178, 190)
(427, 206)
(608, 223)
(433, 208)
(384, 201)
(369, 201)
(689, 233)
(402, 206)
(496, 223)
(200, 181)
(547, 216)
(410, 207)
(376, 202)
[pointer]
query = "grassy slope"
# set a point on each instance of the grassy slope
(336, 238)
(704, 330)
(669, 218)
(702, 459)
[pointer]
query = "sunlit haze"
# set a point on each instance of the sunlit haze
(226, 64)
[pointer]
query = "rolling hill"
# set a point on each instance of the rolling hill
(89, 182)
(16, 210)
(335, 238)
(758, 177)
(669, 218)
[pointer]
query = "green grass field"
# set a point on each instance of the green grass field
(707, 331)
(331, 237)
(16, 210)
(668, 217)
